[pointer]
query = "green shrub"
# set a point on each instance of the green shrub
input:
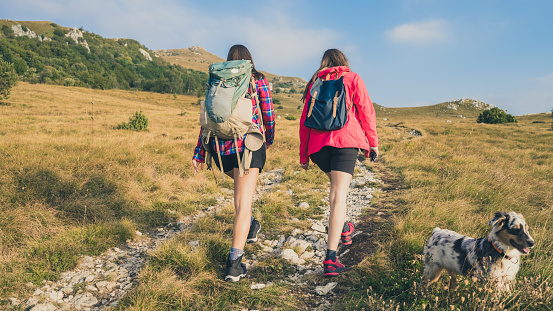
(138, 122)
(291, 118)
(8, 78)
(495, 116)
(59, 32)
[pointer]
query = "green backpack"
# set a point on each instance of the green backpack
(226, 112)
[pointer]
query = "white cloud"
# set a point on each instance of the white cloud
(423, 33)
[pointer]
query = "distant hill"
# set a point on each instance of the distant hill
(197, 58)
(44, 52)
(194, 57)
(457, 108)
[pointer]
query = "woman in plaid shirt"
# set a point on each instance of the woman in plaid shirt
(245, 227)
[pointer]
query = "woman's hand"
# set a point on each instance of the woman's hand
(305, 166)
(372, 154)
(197, 165)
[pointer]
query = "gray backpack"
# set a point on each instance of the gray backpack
(226, 112)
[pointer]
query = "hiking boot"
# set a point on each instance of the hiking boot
(333, 268)
(255, 227)
(235, 270)
(347, 231)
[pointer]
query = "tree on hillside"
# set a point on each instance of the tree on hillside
(108, 64)
(8, 78)
(495, 116)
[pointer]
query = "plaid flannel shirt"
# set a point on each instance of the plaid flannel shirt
(228, 147)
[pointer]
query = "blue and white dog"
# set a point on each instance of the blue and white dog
(495, 257)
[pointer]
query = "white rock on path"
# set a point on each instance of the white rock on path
(84, 300)
(14, 301)
(257, 286)
(44, 307)
(307, 255)
(55, 296)
(291, 256)
(301, 244)
(324, 290)
(318, 227)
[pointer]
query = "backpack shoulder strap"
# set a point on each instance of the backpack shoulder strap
(253, 88)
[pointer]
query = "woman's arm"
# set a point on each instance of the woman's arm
(199, 151)
(365, 111)
(268, 114)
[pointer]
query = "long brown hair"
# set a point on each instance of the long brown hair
(240, 52)
(331, 58)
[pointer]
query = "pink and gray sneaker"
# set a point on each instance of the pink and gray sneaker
(333, 268)
(347, 231)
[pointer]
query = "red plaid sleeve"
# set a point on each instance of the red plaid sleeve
(266, 105)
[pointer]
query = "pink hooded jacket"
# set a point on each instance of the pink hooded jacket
(359, 131)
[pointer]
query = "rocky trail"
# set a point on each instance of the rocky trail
(98, 283)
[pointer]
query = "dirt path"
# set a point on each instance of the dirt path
(305, 250)
(98, 283)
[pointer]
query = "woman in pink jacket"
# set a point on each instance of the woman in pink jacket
(335, 152)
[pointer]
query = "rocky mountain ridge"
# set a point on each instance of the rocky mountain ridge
(468, 102)
(60, 55)
(23, 29)
(20, 32)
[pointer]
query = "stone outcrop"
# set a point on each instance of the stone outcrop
(78, 37)
(146, 54)
(196, 50)
(456, 103)
(19, 32)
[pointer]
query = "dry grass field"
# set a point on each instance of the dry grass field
(456, 176)
(70, 180)
(72, 186)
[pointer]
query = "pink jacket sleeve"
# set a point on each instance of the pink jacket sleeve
(365, 112)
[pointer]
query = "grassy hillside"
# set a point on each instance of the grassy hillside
(47, 55)
(456, 176)
(73, 186)
(197, 58)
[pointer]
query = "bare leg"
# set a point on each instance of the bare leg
(339, 186)
(244, 189)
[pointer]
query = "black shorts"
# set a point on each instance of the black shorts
(335, 159)
(230, 162)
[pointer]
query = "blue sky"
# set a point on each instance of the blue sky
(409, 52)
